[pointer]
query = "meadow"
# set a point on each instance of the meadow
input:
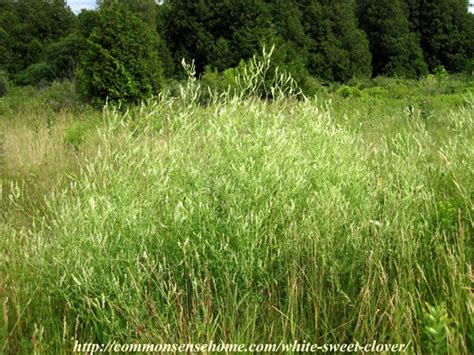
(337, 218)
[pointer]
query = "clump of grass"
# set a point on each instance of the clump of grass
(36, 156)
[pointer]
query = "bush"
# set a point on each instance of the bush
(121, 62)
(38, 74)
(219, 83)
(61, 96)
(349, 91)
(257, 77)
(63, 56)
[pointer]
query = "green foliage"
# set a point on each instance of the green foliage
(38, 74)
(288, 20)
(76, 134)
(441, 74)
(310, 219)
(219, 83)
(60, 60)
(57, 99)
(395, 50)
(314, 40)
(257, 78)
(215, 33)
(446, 31)
(338, 50)
(436, 323)
(63, 56)
(121, 62)
(426, 108)
(4, 84)
(287, 57)
(61, 96)
(349, 91)
(144, 9)
(27, 27)
(87, 20)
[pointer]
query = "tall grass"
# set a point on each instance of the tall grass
(246, 221)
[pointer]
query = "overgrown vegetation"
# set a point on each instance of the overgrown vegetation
(218, 215)
(320, 191)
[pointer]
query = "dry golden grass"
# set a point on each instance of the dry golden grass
(36, 158)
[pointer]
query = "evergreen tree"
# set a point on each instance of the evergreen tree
(150, 13)
(352, 39)
(218, 33)
(446, 31)
(289, 37)
(121, 61)
(338, 50)
(287, 18)
(395, 50)
(184, 28)
(145, 9)
(87, 20)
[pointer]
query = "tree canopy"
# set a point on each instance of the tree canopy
(123, 49)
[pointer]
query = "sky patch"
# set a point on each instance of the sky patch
(78, 5)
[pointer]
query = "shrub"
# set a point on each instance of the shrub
(426, 108)
(257, 77)
(311, 86)
(63, 56)
(121, 62)
(349, 91)
(214, 82)
(470, 67)
(38, 74)
(61, 96)
(441, 74)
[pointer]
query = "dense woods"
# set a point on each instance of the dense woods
(42, 40)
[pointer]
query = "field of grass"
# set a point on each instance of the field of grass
(341, 218)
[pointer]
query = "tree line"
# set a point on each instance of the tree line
(126, 49)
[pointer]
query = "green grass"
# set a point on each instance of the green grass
(328, 220)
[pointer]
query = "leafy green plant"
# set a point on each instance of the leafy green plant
(63, 56)
(426, 108)
(61, 96)
(441, 74)
(76, 134)
(349, 91)
(436, 322)
(38, 74)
